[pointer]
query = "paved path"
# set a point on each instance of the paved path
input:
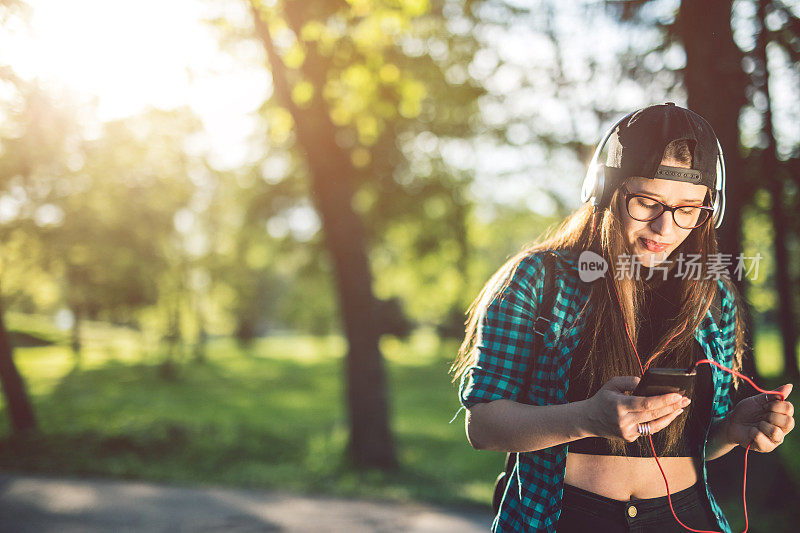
(44, 504)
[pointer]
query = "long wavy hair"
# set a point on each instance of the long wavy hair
(609, 351)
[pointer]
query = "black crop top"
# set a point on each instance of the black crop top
(658, 306)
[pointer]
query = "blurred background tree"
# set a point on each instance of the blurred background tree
(351, 92)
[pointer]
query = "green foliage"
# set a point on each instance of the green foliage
(757, 230)
(769, 358)
(117, 245)
(148, 233)
(377, 71)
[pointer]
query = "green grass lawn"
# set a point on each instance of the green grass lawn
(269, 417)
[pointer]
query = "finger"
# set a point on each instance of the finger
(623, 383)
(785, 390)
(647, 416)
(651, 403)
(766, 398)
(785, 408)
(761, 442)
(782, 421)
(772, 432)
(660, 423)
(781, 393)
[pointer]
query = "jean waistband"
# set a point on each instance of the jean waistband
(611, 507)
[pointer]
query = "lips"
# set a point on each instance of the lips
(653, 246)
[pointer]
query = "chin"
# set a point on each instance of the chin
(652, 259)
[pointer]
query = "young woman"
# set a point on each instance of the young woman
(584, 460)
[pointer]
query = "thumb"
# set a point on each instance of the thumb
(623, 383)
(784, 390)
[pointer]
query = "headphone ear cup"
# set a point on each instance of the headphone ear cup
(593, 184)
(715, 206)
(715, 203)
(589, 183)
(719, 208)
(719, 185)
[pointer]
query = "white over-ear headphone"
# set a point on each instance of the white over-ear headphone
(719, 185)
(595, 181)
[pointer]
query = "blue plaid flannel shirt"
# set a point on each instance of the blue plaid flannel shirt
(532, 500)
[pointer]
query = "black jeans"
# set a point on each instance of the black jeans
(584, 511)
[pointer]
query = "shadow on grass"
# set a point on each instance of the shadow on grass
(23, 339)
(218, 422)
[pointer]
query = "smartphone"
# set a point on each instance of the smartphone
(658, 381)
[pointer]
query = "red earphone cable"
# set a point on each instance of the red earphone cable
(653, 448)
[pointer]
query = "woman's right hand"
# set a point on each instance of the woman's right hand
(613, 413)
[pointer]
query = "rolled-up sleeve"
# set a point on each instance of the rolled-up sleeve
(504, 338)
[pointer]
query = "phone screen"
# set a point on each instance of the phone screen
(658, 381)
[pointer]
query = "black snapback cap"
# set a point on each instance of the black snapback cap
(636, 147)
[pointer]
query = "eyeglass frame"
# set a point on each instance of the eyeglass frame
(664, 208)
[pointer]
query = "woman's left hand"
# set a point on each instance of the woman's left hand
(763, 420)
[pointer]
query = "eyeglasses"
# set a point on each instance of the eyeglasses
(645, 208)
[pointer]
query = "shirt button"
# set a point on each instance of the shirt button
(632, 511)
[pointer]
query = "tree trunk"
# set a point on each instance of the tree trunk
(76, 332)
(19, 406)
(200, 346)
(370, 444)
(716, 85)
(780, 223)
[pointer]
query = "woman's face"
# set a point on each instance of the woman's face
(653, 241)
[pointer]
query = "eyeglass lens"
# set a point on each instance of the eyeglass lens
(645, 209)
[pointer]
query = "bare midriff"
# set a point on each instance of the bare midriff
(623, 478)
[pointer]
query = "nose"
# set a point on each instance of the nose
(664, 224)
